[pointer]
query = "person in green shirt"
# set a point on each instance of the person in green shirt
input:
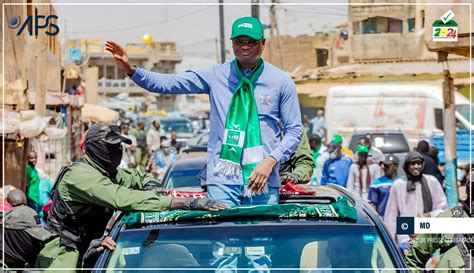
(141, 152)
(86, 194)
(32, 183)
(300, 166)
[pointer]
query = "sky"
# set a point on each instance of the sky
(194, 27)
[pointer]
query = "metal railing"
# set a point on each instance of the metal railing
(122, 83)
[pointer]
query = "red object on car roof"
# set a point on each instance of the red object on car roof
(292, 188)
(176, 193)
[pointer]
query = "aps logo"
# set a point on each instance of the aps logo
(38, 21)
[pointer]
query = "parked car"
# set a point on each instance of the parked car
(184, 173)
(182, 126)
(296, 242)
(388, 141)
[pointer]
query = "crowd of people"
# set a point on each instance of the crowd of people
(257, 143)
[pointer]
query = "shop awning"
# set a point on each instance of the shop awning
(313, 89)
(97, 113)
(52, 98)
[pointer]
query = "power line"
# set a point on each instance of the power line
(142, 25)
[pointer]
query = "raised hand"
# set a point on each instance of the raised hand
(120, 56)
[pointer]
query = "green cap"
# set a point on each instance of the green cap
(362, 149)
(247, 26)
(337, 139)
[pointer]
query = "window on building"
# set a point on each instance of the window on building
(369, 25)
(356, 27)
(439, 118)
(394, 25)
(110, 72)
(411, 25)
(321, 57)
(422, 18)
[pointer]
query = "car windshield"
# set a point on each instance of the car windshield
(179, 126)
(245, 245)
(183, 178)
(387, 143)
(466, 111)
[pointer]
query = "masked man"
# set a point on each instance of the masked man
(87, 192)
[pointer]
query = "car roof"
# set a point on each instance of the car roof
(325, 195)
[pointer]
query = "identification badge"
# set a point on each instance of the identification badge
(131, 251)
(255, 250)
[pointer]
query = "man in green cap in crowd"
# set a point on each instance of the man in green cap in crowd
(362, 173)
(249, 99)
(86, 194)
(336, 168)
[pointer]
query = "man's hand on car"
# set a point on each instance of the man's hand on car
(120, 56)
(258, 178)
(288, 177)
(96, 247)
(107, 243)
(203, 204)
(191, 203)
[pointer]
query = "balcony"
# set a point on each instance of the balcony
(116, 86)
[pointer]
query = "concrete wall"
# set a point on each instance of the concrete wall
(385, 46)
(299, 52)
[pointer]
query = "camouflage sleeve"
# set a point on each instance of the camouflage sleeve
(426, 244)
(134, 179)
(421, 250)
(100, 190)
(302, 159)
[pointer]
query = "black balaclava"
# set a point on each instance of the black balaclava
(107, 156)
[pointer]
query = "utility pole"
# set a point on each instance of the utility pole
(255, 8)
(449, 120)
(274, 27)
(41, 68)
(221, 28)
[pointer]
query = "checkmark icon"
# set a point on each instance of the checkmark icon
(447, 16)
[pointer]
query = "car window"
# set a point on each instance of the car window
(179, 126)
(343, 246)
(387, 143)
(183, 178)
(466, 111)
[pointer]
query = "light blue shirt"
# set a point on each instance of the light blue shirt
(276, 98)
(318, 126)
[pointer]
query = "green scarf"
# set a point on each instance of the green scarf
(242, 149)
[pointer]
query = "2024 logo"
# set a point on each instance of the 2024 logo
(445, 29)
